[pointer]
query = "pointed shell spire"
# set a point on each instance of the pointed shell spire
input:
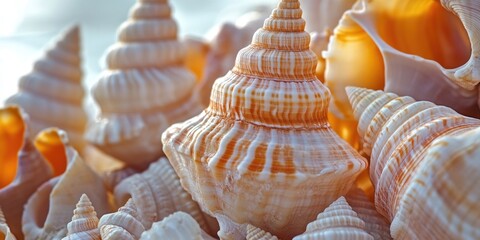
(31, 168)
(145, 87)
(123, 224)
(52, 93)
(84, 224)
(178, 225)
(337, 221)
(265, 137)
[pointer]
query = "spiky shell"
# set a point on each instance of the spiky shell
(4, 228)
(178, 225)
(157, 194)
(84, 224)
(54, 201)
(442, 200)
(262, 152)
(124, 224)
(144, 89)
(52, 93)
(337, 221)
(32, 170)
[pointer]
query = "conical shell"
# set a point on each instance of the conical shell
(5, 232)
(399, 131)
(84, 224)
(254, 233)
(375, 224)
(179, 226)
(263, 152)
(441, 202)
(124, 224)
(49, 209)
(337, 221)
(52, 93)
(157, 193)
(226, 40)
(145, 87)
(31, 171)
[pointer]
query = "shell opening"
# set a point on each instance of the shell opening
(51, 144)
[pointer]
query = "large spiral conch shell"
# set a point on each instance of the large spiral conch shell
(337, 221)
(52, 94)
(157, 194)
(5, 232)
(179, 226)
(124, 224)
(84, 224)
(145, 88)
(32, 170)
(262, 152)
(49, 209)
(398, 133)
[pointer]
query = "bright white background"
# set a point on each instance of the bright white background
(27, 27)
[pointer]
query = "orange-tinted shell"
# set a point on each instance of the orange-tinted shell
(263, 152)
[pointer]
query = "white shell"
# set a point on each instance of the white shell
(179, 226)
(84, 224)
(124, 224)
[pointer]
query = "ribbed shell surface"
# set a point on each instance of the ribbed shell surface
(263, 152)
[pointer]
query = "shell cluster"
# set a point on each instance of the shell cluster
(263, 161)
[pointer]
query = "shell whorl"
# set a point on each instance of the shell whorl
(123, 224)
(337, 221)
(400, 130)
(254, 233)
(178, 225)
(84, 224)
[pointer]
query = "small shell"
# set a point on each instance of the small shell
(49, 209)
(254, 233)
(442, 200)
(144, 89)
(52, 94)
(158, 193)
(262, 145)
(124, 224)
(179, 226)
(4, 228)
(337, 221)
(375, 224)
(84, 224)
(32, 169)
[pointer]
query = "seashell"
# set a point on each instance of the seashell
(32, 170)
(324, 15)
(337, 221)
(197, 50)
(52, 93)
(442, 195)
(123, 224)
(5, 232)
(412, 61)
(318, 44)
(178, 225)
(399, 133)
(254, 233)
(144, 89)
(47, 212)
(263, 144)
(84, 224)
(375, 224)
(112, 178)
(225, 42)
(157, 193)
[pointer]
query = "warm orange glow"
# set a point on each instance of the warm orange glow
(363, 182)
(195, 59)
(11, 139)
(52, 148)
(346, 129)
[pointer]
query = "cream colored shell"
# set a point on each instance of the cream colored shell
(178, 225)
(52, 93)
(124, 224)
(263, 152)
(337, 221)
(84, 224)
(144, 89)
(254, 233)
